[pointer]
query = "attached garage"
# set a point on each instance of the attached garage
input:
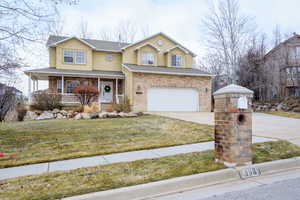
(172, 99)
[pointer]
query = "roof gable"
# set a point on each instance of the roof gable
(165, 36)
(295, 36)
(70, 38)
(97, 45)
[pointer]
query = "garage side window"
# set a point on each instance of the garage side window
(176, 60)
(147, 58)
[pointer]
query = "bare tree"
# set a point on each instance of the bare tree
(251, 71)
(125, 31)
(226, 34)
(83, 29)
(23, 21)
(7, 100)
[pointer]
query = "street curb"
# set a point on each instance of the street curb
(180, 184)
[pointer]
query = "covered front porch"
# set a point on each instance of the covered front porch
(110, 84)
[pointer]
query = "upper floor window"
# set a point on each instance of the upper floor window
(147, 58)
(108, 57)
(74, 56)
(176, 60)
(295, 52)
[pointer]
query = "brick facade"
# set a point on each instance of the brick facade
(233, 130)
(143, 81)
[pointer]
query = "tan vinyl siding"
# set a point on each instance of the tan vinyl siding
(101, 63)
(52, 56)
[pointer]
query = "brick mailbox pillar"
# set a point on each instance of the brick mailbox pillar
(233, 125)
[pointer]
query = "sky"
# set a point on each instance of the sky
(180, 19)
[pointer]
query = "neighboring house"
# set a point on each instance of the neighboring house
(15, 91)
(155, 73)
(282, 65)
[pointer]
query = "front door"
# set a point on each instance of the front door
(106, 92)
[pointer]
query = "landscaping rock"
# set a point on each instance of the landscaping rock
(86, 115)
(94, 115)
(78, 116)
(122, 114)
(60, 116)
(297, 109)
(45, 115)
(30, 115)
(131, 114)
(55, 111)
(103, 115)
(63, 112)
(113, 115)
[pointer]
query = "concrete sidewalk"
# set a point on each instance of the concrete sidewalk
(12, 172)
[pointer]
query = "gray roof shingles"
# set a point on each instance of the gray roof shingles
(55, 71)
(166, 70)
(98, 44)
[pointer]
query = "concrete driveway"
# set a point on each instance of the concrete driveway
(264, 125)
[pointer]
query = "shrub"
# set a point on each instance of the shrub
(21, 109)
(86, 94)
(122, 107)
(47, 101)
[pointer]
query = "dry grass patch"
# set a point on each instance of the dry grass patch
(57, 185)
(49, 140)
(285, 114)
(67, 183)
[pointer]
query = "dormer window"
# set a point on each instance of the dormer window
(74, 56)
(147, 58)
(176, 60)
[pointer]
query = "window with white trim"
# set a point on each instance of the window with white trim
(176, 60)
(58, 85)
(108, 57)
(74, 56)
(147, 58)
(71, 84)
(295, 52)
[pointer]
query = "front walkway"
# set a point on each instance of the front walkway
(108, 159)
(264, 125)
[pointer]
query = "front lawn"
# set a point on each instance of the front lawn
(49, 140)
(61, 184)
(285, 114)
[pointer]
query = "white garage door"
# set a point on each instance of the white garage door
(172, 99)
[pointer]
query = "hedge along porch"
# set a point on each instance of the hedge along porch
(110, 84)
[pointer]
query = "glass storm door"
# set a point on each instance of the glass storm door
(106, 92)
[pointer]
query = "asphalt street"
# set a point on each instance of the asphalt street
(275, 186)
(283, 190)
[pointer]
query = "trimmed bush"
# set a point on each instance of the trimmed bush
(86, 94)
(46, 101)
(122, 107)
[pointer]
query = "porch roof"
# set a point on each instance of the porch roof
(44, 73)
(166, 70)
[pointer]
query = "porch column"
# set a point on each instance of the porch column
(117, 99)
(62, 84)
(62, 88)
(99, 96)
(37, 84)
(29, 88)
(34, 85)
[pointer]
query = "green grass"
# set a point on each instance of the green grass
(61, 184)
(285, 114)
(49, 140)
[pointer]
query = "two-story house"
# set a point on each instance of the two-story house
(155, 73)
(283, 66)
